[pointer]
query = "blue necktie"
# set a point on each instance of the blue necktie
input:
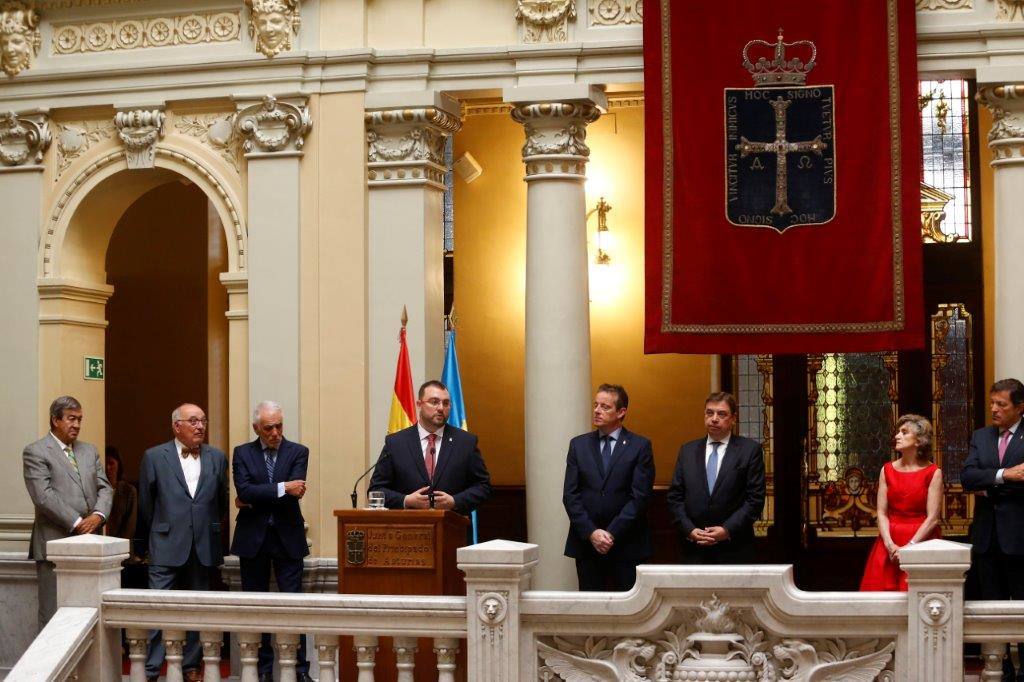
(606, 453)
(271, 455)
(713, 465)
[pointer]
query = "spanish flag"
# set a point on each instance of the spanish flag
(403, 400)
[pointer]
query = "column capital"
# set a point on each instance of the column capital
(273, 126)
(1006, 137)
(556, 134)
(139, 131)
(24, 138)
(405, 146)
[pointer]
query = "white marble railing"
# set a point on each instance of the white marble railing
(60, 648)
(679, 623)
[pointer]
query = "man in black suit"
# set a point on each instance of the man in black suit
(183, 495)
(270, 479)
(717, 490)
(609, 477)
(994, 468)
(432, 460)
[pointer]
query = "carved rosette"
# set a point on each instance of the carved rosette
(140, 130)
(23, 139)
(19, 35)
(944, 4)
(616, 12)
(545, 21)
(273, 126)
(556, 138)
(406, 146)
(1006, 137)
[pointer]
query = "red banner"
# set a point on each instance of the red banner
(782, 177)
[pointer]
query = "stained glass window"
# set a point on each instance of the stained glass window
(952, 387)
(945, 127)
(854, 412)
(754, 392)
(449, 196)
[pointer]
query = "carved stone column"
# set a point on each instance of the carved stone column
(274, 132)
(497, 572)
(23, 142)
(557, 387)
(1006, 139)
(405, 169)
(935, 608)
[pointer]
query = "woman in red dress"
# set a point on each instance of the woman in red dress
(909, 497)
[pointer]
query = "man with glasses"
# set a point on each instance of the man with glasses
(183, 495)
(270, 479)
(432, 464)
(69, 490)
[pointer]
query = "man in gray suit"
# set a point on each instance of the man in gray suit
(183, 494)
(69, 489)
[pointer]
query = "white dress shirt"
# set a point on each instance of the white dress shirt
(721, 450)
(437, 444)
(191, 467)
(1013, 432)
(614, 442)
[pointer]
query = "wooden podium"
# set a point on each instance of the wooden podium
(402, 551)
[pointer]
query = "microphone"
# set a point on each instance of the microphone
(355, 486)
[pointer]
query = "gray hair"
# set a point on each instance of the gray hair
(57, 407)
(923, 427)
(265, 406)
(176, 415)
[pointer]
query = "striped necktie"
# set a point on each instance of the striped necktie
(71, 456)
(271, 460)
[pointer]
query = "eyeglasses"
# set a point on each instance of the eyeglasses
(434, 402)
(195, 421)
(267, 428)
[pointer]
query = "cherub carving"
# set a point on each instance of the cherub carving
(273, 23)
(19, 35)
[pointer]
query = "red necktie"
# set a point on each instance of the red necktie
(431, 455)
(1004, 441)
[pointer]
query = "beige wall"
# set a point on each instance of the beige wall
(388, 24)
(666, 391)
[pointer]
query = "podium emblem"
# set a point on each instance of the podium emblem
(355, 547)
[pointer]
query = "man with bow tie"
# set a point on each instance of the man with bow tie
(718, 489)
(609, 478)
(270, 479)
(69, 490)
(183, 495)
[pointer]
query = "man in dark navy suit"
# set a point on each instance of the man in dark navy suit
(994, 468)
(270, 479)
(718, 489)
(432, 459)
(609, 476)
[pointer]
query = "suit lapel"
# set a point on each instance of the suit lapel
(173, 462)
(1014, 449)
(59, 455)
(726, 462)
(205, 467)
(619, 451)
(445, 452)
(416, 452)
(595, 453)
(701, 465)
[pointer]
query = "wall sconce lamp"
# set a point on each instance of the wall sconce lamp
(603, 238)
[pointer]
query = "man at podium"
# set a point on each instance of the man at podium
(432, 465)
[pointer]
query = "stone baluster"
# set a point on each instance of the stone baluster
(557, 377)
(446, 650)
(174, 644)
(405, 658)
(211, 642)
(287, 648)
(992, 655)
(138, 641)
(327, 656)
(249, 654)
(496, 572)
(365, 647)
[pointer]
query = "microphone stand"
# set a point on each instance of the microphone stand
(355, 486)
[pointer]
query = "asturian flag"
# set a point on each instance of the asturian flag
(451, 378)
(403, 400)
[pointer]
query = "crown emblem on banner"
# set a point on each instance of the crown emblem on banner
(779, 70)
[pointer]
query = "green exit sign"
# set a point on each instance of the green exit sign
(94, 368)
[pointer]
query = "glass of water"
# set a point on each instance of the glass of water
(376, 499)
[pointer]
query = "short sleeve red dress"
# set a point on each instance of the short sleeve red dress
(907, 502)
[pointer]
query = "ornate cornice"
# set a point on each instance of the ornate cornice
(1006, 137)
(273, 126)
(556, 134)
(406, 146)
(545, 21)
(19, 35)
(272, 24)
(140, 130)
(23, 138)
(628, 12)
(146, 32)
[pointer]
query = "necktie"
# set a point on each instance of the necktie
(431, 455)
(1004, 442)
(713, 465)
(271, 455)
(606, 453)
(71, 457)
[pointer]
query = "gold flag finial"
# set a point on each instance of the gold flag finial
(451, 318)
(405, 317)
